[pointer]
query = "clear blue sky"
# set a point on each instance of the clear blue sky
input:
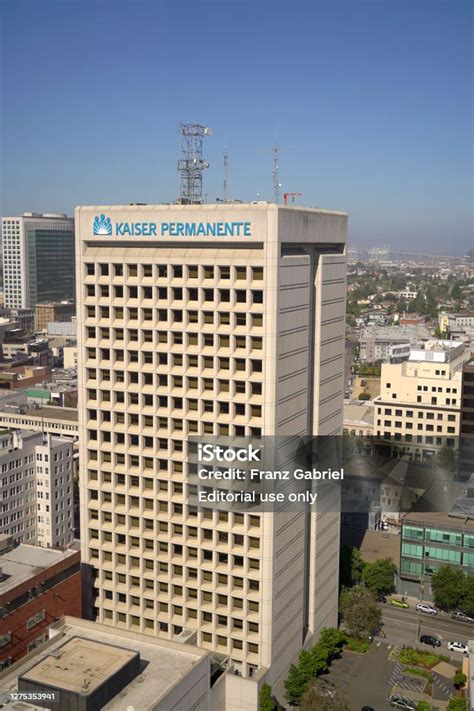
(371, 102)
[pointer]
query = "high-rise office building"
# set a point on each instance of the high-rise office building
(38, 259)
(223, 320)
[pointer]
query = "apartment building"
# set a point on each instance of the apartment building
(36, 489)
(38, 259)
(59, 421)
(383, 343)
(207, 320)
(418, 410)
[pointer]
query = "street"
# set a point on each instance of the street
(406, 626)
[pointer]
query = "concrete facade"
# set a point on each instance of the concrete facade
(420, 399)
(181, 336)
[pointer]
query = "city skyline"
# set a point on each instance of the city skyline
(371, 107)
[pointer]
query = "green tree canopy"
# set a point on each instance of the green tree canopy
(448, 586)
(351, 566)
(456, 703)
(361, 613)
(266, 702)
(459, 679)
(322, 696)
(423, 706)
(379, 576)
(466, 602)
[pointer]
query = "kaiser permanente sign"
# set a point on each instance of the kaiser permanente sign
(103, 226)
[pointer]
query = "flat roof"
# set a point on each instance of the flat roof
(164, 664)
(51, 413)
(439, 519)
(25, 561)
(80, 665)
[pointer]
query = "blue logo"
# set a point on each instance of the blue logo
(102, 225)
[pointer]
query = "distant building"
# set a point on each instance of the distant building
(408, 294)
(95, 666)
(36, 488)
(60, 421)
(25, 318)
(419, 407)
(412, 320)
(70, 356)
(22, 376)
(38, 259)
(376, 342)
(46, 313)
(37, 587)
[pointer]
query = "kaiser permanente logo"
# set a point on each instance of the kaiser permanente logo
(103, 226)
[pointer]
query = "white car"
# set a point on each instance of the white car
(458, 647)
(427, 609)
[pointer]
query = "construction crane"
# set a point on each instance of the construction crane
(292, 196)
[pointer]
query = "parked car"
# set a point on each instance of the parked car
(458, 647)
(401, 702)
(430, 639)
(461, 617)
(367, 708)
(399, 603)
(427, 609)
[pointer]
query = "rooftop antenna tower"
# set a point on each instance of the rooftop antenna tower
(226, 169)
(276, 183)
(191, 165)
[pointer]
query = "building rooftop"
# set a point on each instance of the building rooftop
(363, 413)
(80, 665)
(439, 519)
(397, 333)
(25, 561)
(51, 413)
(81, 644)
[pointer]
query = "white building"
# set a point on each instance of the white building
(38, 259)
(207, 319)
(36, 503)
(408, 294)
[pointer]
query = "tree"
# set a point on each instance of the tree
(466, 602)
(379, 576)
(448, 585)
(295, 685)
(333, 640)
(266, 702)
(364, 396)
(351, 566)
(456, 292)
(361, 613)
(459, 679)
(322, 696)
(423, 706)
(456, 703)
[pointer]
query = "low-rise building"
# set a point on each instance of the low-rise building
(93, 666)
(376, 343)
(359, 418)
(37, 587)
(408, 294)
(412, 320)
(430, 540)
(60, 421)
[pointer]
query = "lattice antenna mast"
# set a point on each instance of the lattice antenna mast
(226, 170)
(276, 182)
(191, 165)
